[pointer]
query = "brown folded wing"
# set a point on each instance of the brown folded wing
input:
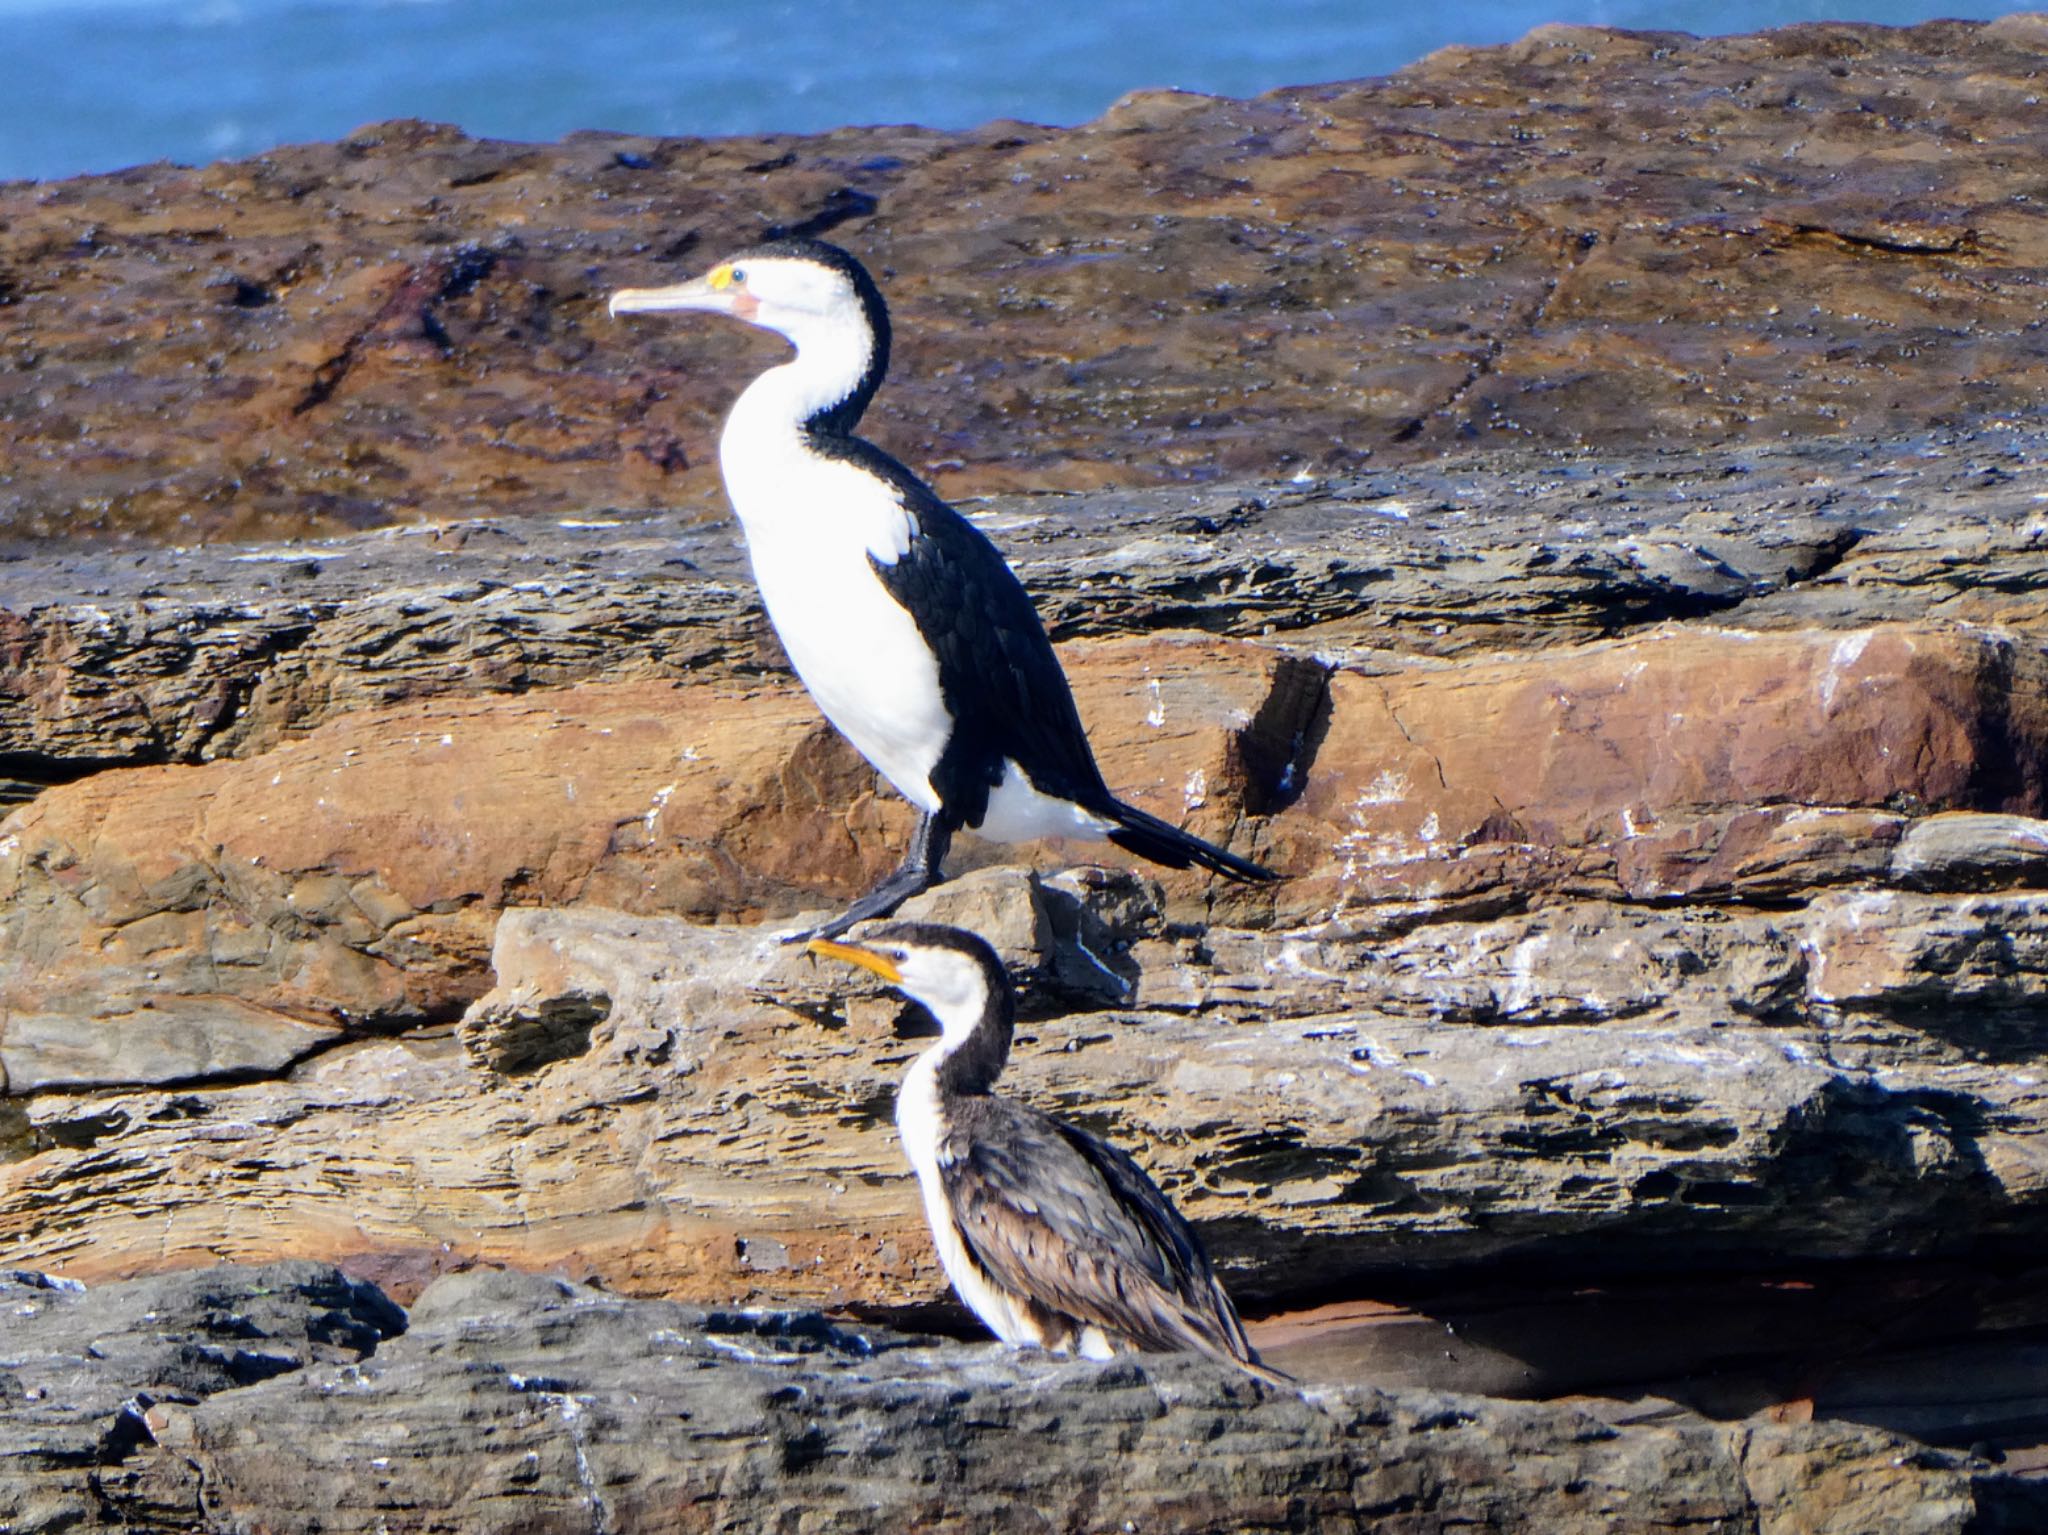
(1056, 1214)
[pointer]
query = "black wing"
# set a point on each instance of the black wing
(1056, 1214)
(1001, 680)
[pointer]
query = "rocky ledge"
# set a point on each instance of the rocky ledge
(291, 1398)
(1653, 1008)
(1667, 915)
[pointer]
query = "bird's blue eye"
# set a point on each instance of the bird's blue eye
(739, 274)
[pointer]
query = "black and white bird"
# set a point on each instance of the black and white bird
(1051, 1236)
(913, 635)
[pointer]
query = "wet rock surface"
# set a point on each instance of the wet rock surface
(1586, 239)
(512, 1401)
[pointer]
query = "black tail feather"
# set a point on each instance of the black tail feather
(1164, 843)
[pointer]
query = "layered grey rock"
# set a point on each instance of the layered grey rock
(85, 1374)
(523, 1403)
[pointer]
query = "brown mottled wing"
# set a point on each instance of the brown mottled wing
(1054, 1213)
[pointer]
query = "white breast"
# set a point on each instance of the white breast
(921, 1122)
(811, 524)
(1017, 812)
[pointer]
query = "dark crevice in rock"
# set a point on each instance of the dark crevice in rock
(1627, 605)
(86, 1131)
(841, 205)
(2012, 772)
(1822, 556)
(129, 1431)
(463, 269)
(1966, 243)
(1992, 1030)
(199, 1081)
(355, 1032)
(241, 292)
(558, 1029)
(1984, 1284)
(329, 372)
(28, 773)
(1278, 748)
(18, 1137)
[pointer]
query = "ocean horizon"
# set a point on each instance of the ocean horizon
(99, 85)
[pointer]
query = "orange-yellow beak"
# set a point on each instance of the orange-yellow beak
(854, 954)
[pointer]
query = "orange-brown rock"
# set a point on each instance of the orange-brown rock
(351, 879)
(1589, 238)
(1687, 763)
(680, 1115)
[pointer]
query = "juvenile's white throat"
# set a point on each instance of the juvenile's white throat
(953, 990)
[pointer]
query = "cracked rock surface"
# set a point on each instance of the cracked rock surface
(86, 1378)
(521, 1402)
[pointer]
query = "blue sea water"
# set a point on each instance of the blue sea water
(92, 85)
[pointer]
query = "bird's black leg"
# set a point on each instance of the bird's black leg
(918, 871)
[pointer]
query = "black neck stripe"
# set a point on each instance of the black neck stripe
(840, 419)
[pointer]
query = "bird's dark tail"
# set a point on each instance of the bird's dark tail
(1163, 843)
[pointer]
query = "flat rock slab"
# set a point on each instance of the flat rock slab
(517, 1402)
(1588, 238)
(181, 655)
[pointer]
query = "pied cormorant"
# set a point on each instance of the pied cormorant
(1053, 1237)
(911, 632)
